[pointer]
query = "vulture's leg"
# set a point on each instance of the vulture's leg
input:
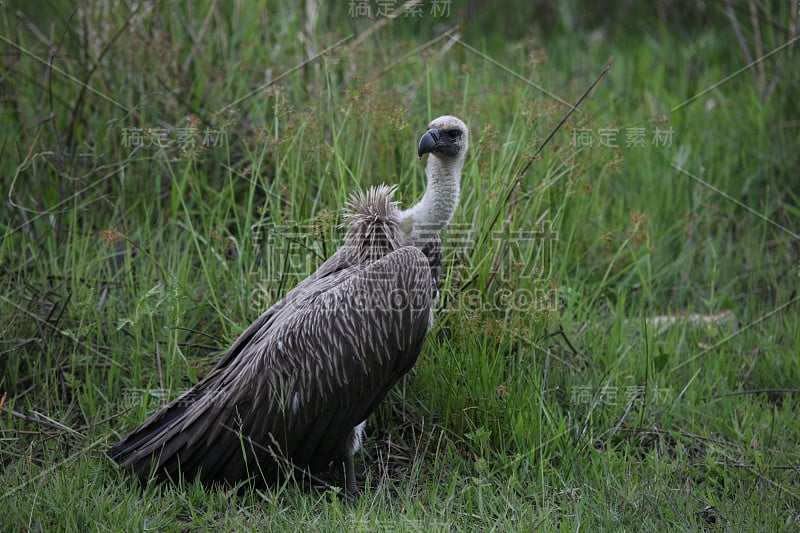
(347, 466)
(350, 475)
(343, 474)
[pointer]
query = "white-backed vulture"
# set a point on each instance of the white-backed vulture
(294, 390)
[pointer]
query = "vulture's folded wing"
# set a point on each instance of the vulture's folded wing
(293, 386)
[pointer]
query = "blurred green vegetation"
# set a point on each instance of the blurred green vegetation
(618, 352)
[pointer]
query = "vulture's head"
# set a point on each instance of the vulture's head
(447, 138)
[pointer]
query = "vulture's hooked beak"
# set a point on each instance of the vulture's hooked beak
(428, 142)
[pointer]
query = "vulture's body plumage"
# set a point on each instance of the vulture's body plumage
(293, 391)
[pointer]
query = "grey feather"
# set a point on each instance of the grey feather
(293, 390)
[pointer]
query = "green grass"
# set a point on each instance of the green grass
(544, 398)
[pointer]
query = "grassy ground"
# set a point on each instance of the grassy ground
(618, 351)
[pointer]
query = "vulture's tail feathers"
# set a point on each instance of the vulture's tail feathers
(153, 444)
(168, 440)
(205, 435)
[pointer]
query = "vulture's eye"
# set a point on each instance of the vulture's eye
(454, 134)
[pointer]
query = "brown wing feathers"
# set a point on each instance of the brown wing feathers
(334, 364)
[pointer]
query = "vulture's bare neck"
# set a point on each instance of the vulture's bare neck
(436, 208)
